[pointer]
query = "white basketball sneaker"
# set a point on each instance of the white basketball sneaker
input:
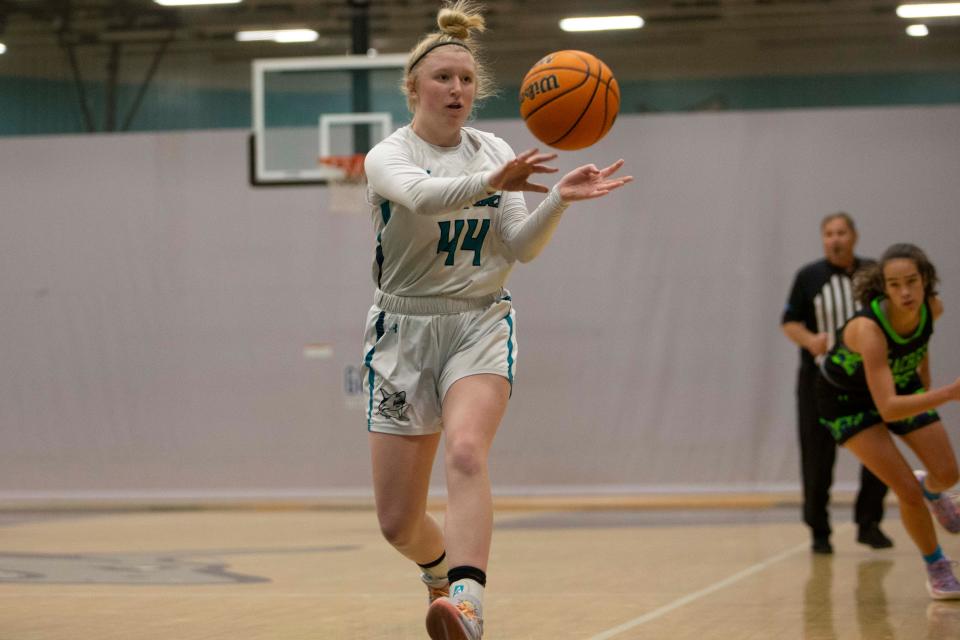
(454, 620)
(435, 588)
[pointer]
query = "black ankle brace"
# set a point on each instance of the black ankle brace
(466, 571)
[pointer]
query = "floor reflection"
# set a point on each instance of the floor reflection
(872, 610)
(873, 618)
(818, 600)
(943, 621)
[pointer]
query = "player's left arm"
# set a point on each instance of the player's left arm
(523, 232)
(526, 233)
(588, 182)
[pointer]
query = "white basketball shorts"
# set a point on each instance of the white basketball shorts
(413, 355)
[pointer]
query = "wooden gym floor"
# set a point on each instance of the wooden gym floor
(584, 569)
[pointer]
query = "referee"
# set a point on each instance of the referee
(820, 302)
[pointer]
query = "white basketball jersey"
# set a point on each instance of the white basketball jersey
(439, 229)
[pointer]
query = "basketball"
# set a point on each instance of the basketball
(569, 99)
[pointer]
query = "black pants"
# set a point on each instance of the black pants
(818, 452)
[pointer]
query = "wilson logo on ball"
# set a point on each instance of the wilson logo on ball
(536, 88)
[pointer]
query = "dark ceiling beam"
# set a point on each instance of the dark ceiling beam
(66, 43)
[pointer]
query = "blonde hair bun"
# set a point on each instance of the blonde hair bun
(459, 19)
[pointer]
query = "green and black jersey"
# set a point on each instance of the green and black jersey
(844, 402)
(843, 368)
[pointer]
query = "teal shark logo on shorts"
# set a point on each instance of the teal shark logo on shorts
(393, 405)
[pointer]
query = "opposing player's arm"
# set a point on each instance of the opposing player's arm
(936, 309)
(393, 175)
(867, 339)
(924, 371)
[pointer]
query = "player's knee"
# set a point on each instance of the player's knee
(910, 495)
(945, 476)
(466, 457)
(396, 529)
(952, 477)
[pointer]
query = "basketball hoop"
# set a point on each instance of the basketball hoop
(347, 185)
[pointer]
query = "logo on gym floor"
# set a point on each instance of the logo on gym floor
(115, 569)
(156, 568)
(393, 405)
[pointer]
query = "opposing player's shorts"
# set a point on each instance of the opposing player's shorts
(847, 413)
(416, 348)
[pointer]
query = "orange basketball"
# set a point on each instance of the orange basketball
(569, 99)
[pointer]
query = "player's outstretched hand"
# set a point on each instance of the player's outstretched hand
(587, 182)
(514, 175)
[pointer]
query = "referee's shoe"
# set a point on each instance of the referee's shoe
(871, 535)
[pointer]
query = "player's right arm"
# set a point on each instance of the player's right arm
(866, 338)
(393, 175)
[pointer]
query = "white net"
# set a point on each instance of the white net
(346, 190)
(346, 197)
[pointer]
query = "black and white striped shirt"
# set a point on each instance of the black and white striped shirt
(822, 299)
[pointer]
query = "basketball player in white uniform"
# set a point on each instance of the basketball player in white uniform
(440, 349)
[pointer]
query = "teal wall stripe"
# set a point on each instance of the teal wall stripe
(769, 92)
(39, 106)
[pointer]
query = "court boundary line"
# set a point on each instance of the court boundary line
(701, 593)
(501, 503)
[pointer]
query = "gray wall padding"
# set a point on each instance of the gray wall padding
(155, 308)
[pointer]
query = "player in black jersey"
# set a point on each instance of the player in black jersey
(875, 382)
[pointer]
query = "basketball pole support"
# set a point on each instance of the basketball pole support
(360, 78)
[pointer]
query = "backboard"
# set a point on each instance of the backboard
(311, 107)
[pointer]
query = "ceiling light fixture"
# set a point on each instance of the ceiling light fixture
(917, 30)
(296, 35)
(601, 23)
(929, 10)
(3, 48)
(278, 35)
(190, 3)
